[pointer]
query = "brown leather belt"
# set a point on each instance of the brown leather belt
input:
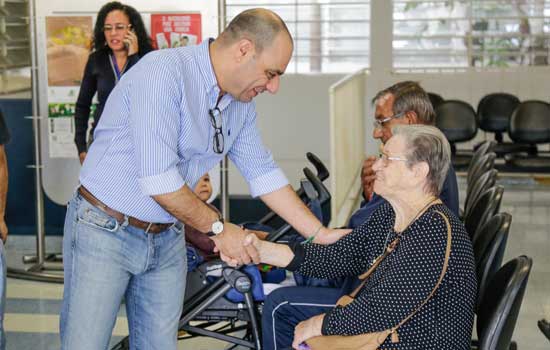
(148, 227)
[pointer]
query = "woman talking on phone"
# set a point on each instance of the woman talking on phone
(119, 41)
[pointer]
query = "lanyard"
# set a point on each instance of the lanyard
(114, 66)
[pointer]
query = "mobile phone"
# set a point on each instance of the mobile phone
(126, 43)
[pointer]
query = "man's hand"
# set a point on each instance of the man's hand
(3, 230)
(367, 177)
(262, 235)
(307, 329)
(230, 245)
(328, 236)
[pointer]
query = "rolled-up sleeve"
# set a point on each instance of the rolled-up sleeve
(254, 161)
(155, 122)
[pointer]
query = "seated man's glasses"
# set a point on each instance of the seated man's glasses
(217, 144)
(379, 123)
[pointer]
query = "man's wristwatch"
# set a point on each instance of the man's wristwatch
(217, 226)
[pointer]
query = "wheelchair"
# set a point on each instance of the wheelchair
(207, 309)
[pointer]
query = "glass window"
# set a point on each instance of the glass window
(330, 36)
(473, 33)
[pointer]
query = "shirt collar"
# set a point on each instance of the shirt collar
(207, 71)
(205, 66)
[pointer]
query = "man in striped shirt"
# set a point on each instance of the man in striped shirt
(170, 119)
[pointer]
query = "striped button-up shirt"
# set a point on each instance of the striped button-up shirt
(155, 135)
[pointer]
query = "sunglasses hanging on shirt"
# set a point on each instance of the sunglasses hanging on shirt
(217, 144)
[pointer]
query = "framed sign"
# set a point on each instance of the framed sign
(175, 30)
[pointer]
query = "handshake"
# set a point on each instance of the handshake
(238, 246)
(231, 245)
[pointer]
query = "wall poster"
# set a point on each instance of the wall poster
(68, 47)
(175, 30)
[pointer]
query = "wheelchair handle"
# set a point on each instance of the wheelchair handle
(322, 192)
(322, 171)
(322, 174)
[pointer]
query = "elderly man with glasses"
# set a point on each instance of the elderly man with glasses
(402, 103)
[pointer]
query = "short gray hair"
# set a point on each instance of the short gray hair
(410, 96)
(261, 26)
(426, 143)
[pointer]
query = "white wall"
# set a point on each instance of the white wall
(293, 122)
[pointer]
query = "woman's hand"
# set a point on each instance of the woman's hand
(131, 40)
(81, 157)
(253, 245)
(267, 252)
(307, 329)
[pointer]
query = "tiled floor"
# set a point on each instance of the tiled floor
(32, 309)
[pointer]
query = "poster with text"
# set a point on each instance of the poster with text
(68, 46)
(176, 30)
(61, 130)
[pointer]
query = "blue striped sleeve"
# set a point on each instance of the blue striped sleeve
(254, 160)
(156, 95)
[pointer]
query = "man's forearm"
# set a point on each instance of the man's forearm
(288, 205)
(188, 208)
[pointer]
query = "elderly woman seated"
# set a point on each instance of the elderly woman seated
(415, 246)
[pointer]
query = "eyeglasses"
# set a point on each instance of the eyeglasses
(117, 27)
(217, 144)
(385, 159)
(379, 123)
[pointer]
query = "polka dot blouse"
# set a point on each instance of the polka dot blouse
(402, 281)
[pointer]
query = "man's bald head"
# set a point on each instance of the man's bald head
(260, 26)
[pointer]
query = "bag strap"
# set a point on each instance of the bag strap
(389, 249)
(364, 277)
(443, 271)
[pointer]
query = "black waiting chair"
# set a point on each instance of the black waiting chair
(457, 120)
(435, 99)
(493, 115)
(486, 206)
(489, 247)
(478, 186)
(482, 161)
(544, 327)
(530, 123)
(498, 311)
(482, 149)
(481, 166)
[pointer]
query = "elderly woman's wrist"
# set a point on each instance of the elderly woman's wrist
(319, 321)
(298, 253)
(324, 324)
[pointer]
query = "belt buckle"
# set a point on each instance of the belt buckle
(148, 227)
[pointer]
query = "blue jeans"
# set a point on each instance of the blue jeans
(3, 274)
(105, 261)
(285, 307)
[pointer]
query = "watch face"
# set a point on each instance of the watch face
(217, 227)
